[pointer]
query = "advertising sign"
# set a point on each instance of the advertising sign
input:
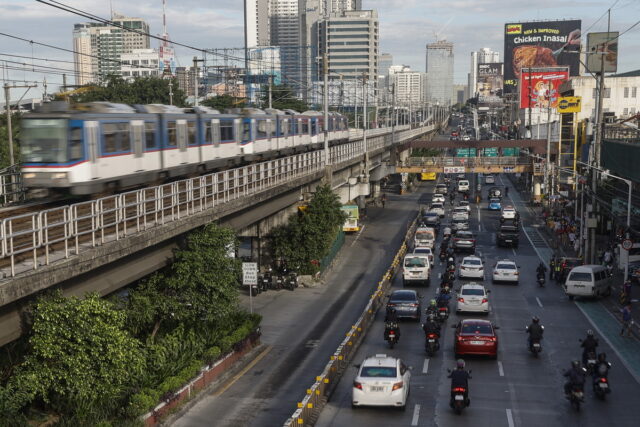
(454, 169)
(601, 45)
(540, 44)
(570, 104)
(539, 87)
(490, 82)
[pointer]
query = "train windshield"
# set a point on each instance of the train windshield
(44, 141)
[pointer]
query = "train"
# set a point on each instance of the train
(102, 147)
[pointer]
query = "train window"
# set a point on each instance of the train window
(125, 137)
(192, 135)
(208, 136)
(284, 127)
(172, 134)
(262, 129)
(226, 130)
(76, 151)
(150, 135)
(110, 138)
(305, 127)
(246, 131)
(294, 126)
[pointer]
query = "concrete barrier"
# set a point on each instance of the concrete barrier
(310, 406)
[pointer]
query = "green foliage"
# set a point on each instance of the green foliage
(426, 152)
(306, 239)
(223, 102)
(4, 139)
(142, 90)
(283, 98)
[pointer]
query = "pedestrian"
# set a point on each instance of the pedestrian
(383, 199)
(627, 320)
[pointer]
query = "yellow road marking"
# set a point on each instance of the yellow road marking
(239, 375)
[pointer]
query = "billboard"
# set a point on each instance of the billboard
(539, 87)
(601, 45)
(490, 82)
(540, 44)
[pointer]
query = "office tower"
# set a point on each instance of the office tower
(440, 72)
(257, 28)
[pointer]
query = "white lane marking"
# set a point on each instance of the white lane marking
(358, 236)
(500, 369)
(514, 252)
(510, 418)
(425, 367)
(416, 414)
(539, 302)
(479, 226)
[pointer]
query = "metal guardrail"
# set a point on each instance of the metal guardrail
(325, 383)
(11, 190)
(32, 240)
(466, 161)
(621, 133)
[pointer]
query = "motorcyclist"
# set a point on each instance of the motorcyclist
(589, 345)
(391, 323)
(451, 262)
(460, 378)
(601, 369)
(541, 270)
(607, 258)
(432, 309)
(576, 377)
(443, 297)
(535, 331)
(431, 326)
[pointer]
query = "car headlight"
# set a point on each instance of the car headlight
(59, 175)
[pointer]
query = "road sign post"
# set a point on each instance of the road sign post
(250, 278)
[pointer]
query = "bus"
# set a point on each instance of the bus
(352, 223)
(428, 176)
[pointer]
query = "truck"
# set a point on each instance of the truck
(352, 223)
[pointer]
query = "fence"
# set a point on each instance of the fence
(335, 247)
(11, 190)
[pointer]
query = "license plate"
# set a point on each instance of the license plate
(508, 241)
(432, 340)
(477, 342)
(591, 362)
(603, 385)
(459, 397)
(536, 345)
(377, 388)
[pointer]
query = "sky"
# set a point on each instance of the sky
(406, 26)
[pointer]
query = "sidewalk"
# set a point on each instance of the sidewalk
(565, 249)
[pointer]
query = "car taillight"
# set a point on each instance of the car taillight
(460, 299)
(413, 305)
(459, 337)
(517, 273)
(397, 386)
(357, 385)
(391, 304)
(431, 335)
(494, 339)
(484, 300)
(459, 389)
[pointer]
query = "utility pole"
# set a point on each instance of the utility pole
(394, 117)
(325, 95)
(271, 95)
(365, 117)
(548, 169)
(195, 80)
(7, 106)
(170, 91)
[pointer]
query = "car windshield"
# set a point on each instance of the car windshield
(580, 277)
(403, 296)
(464, 235)
(459, 221)
(494, 200)
(436, 206)
(506, 267)
(415, 262)
(431, 214)
(478, 292)
(476, 328)
(379, 372)
(44, 140)
(472, 262)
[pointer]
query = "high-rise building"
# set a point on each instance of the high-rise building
(410, 86)
(107, 44)
(385, 61)
(460, 94)
(343, 5)
(483, 56)
(440, 72)
(256, 21)
(140, 63)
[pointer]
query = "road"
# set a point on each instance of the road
(303, 328)
(515, 389)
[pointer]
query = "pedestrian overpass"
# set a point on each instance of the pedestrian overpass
(492, 165)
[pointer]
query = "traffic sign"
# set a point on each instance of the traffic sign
(627, 244)
(250, 273)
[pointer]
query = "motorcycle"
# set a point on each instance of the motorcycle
(292, 281)
(279, 282)
(443, 314)
(535, 347)
(267, 279)
(591, 362)
(443, 256)
(459, 402)
(609, 270)
(576, 397)
(432, 344)
(391, 334)
(254, 290)
(601, 386)
(541, 280)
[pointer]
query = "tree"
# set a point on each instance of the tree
(4, 139)
(142, 90)
(283, 98)
(223, 102)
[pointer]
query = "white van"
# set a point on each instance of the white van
(425, 237)
(588, 281)
(415, 270)
(463, 185)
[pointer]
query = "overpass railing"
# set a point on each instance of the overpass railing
(32, 240)
(11, 189)
(466, 161)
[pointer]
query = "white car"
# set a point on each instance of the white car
(381, 381)
(438, 198)
(463, 185)
(473, 297)
(506, 271)
(437, 208)
(466, 138)
(425, 251)
(489, 179)
(471, 267)
(464, 204)
(508, 212)
(460, 212)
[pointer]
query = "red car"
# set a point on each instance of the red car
(476, 336)
(454, 133)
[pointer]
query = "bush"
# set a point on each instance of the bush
(212, 354)
(140, 403)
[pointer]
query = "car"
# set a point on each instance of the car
(425, 251)
(464, 204)
(441, 189)
(431, 219)
(463, 185)
(508, 212)
(466, 138)
(460, 212)
(381, 381)
(475, 337)
(425, 237)
(437, 208)
(438, 198)
(508, 235)
(471, 267)
(506, 271)
(494, 204)
(464, 240)
(489, 179)
(460, 176)
(406, 302)
(495, 193)
(459, 224)
(473, 297)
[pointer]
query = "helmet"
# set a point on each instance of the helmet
(602, 357)
(575, 363)
(450, 259)
(432, 302)
(590, 333)
(460, 364)
(446, 289)
(535, 319)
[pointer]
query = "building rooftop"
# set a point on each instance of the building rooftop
(635, 73)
